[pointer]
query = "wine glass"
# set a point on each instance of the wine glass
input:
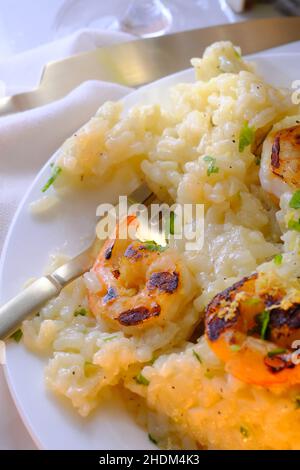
(144, 18)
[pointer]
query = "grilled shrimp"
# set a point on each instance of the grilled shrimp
(141, 284)
(280, 161)
(251, 327)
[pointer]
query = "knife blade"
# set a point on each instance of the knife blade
(139, 62)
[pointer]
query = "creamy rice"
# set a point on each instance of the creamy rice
(166, 146)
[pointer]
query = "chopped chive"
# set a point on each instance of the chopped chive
(252, 301)
(151, 362)
(294, 225)
(264, 319)
(172, 223)
(152, 439)
(236, 53)
(110, 338)
(244, 431)
(295, 200)
(235, 347)
(151, 245)
(90, 369)
(212, 168)
(278, 259)
(197, 356)
(247, 136)
(141, 379)
(17, 336)
(276, 351)
(55, 171)
(80, 312)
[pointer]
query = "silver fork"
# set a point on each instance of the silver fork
(30, 300)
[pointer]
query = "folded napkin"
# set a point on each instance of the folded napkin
(22, 72)
(28, 139)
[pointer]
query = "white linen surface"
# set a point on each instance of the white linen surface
(28, 139)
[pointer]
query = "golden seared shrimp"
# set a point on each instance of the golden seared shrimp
(141, 284)
(251, 326)
(280, 160)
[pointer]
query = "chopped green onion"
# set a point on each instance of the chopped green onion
(141, 379)
(110, 338)
(151, 362)
(80, 312)
(90, 369)
(277, 351)
(236, 53)
(244, 431)
(197, 356)
(278, 259)
(172, 223)
(152, 439)
(295, 200)
(235, 347)
(264, 319)
(294, 225)
(151, 245)
(247, 136)
(212, 168)
(55, 171)
(17, 335)
(253, 301)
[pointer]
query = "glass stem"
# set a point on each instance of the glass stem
(146, 18)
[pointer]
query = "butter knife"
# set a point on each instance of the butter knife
(30, 300)
(140, 62)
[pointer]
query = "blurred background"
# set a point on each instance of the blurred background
(25, 24)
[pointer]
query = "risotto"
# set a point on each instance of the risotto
(220, 141)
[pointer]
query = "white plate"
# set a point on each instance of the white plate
(52, 423)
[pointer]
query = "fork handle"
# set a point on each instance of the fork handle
(26, 303)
